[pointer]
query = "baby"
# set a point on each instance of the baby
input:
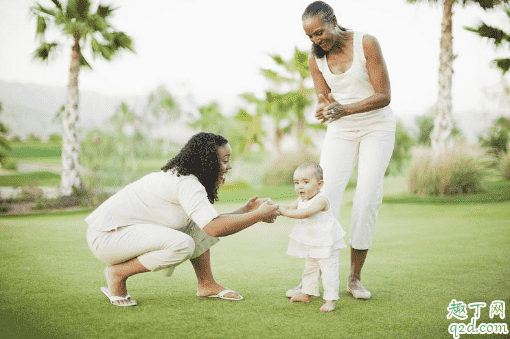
(317, 237)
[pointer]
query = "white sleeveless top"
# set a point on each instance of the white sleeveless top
(352, 86)
(317, 235)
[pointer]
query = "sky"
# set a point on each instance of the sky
(216, 49)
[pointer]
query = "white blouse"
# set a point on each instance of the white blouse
(158, 198)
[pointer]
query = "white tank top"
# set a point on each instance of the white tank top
(352, 86)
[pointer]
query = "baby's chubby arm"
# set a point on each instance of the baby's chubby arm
(291, 211)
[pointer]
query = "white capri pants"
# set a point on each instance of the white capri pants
(329, 269)
(159, 248)
(340, 152)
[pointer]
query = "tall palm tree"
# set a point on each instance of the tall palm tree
(85, 29)
(4, 143)
(441, 136)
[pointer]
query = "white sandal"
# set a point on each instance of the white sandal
(113, 298)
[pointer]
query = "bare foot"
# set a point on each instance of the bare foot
(304, 298)
(116, 284)
(204, 291)
(328, 306)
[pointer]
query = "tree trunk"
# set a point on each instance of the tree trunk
(441, 136)
(71, 169)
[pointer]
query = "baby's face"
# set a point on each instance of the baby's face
(306, 183)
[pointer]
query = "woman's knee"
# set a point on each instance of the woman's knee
(185, 247)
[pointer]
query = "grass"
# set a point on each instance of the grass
(423, 257)
(35, 150)
(42, 178)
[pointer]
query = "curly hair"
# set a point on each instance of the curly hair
(327, 15)
(200, 157)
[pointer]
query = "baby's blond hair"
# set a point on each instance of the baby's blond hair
(317, 169)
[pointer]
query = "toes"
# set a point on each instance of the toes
(233, 295)
(124, 302)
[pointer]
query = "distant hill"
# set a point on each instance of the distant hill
(29, 108)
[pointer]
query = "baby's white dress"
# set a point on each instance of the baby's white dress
(317, 235)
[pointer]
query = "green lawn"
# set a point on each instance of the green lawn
(424, 256)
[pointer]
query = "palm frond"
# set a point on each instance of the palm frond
(273, 76)
(485, 31)
(78, 9)
(97, 23)
(3, 128)
(250, 97)
(503, 64)
(5, 144)
(44, 50)
(58, 4)
(84, 62)
(486, 4)
(38, 9)
(278, 59)
(41, 26)
(104, 11)
(121, 40)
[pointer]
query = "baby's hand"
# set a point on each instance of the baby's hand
(283, 210)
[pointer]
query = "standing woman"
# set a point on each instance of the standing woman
(353, 90)
(167, 217)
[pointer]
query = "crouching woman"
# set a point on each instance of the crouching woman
(167, 217)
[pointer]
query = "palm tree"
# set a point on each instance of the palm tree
(85, 28)
(161, 110)
(441, 136)
(4, 143)
(286, 104)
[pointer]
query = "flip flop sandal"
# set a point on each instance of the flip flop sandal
(113, 298)
(221, 295)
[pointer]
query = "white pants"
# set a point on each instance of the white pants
(340, 152)
(159, 248)
(328, 268)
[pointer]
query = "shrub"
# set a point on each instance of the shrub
(31, 192)
(79, 198)
(504, 165)
(281, 171)
(460, 170)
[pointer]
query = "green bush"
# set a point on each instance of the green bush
(80, 198)
(280, 171)
(504, 165)
(460, 170)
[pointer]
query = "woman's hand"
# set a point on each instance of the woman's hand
(334, 110)
(255, 203)
(320, 112)
(270, 210)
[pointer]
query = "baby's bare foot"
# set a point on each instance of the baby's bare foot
(328, 306)
(304, 298)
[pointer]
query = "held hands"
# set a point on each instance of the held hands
(265, 206)
(270, 211)
(329, 109)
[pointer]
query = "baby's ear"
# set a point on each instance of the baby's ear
(320, 183)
